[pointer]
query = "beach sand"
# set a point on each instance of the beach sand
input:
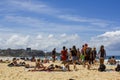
(21, 73)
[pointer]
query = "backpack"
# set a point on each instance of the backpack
(102, 67)
(117, 68)
(88, 51)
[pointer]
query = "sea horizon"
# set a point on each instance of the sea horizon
(117, 57)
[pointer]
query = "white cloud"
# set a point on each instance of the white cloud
(101, 24)
(75, 18)
(39, 37)
(63, 35)
(40, 7)
(111, 34)
(37, 7)
(40, 25)
(110, 39)
(92, 21)
(50, 36)
(17, 41)
(24, 20)
(48, 42)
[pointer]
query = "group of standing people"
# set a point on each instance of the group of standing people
(86, 55)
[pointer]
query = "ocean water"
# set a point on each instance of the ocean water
(116, 57)
(49, 57)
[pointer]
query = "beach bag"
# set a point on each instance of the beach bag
(117, 68)
(102, 67)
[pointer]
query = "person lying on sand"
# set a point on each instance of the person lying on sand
(5, 61)
(53, 67)
(38, 65)
(62, 68)
(15, 63)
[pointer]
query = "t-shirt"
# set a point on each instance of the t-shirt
(64, 54)
(82, 57)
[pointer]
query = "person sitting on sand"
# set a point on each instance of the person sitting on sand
(46, 60)
(117, 68)
(1, 60)
(39, 64)
(33, 59)
(111, 61)
(6, 61)
(14, 61)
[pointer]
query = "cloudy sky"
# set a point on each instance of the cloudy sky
(45, 24)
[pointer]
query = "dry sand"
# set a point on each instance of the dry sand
(21, 73)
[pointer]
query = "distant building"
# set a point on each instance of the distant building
(21, 52)
(28, 49)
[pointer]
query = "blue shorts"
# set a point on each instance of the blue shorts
(74, 58)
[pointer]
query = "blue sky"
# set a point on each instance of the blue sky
(45, 24)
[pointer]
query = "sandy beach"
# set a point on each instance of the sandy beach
(21, 73)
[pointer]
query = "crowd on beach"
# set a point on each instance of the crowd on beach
(86, 56)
